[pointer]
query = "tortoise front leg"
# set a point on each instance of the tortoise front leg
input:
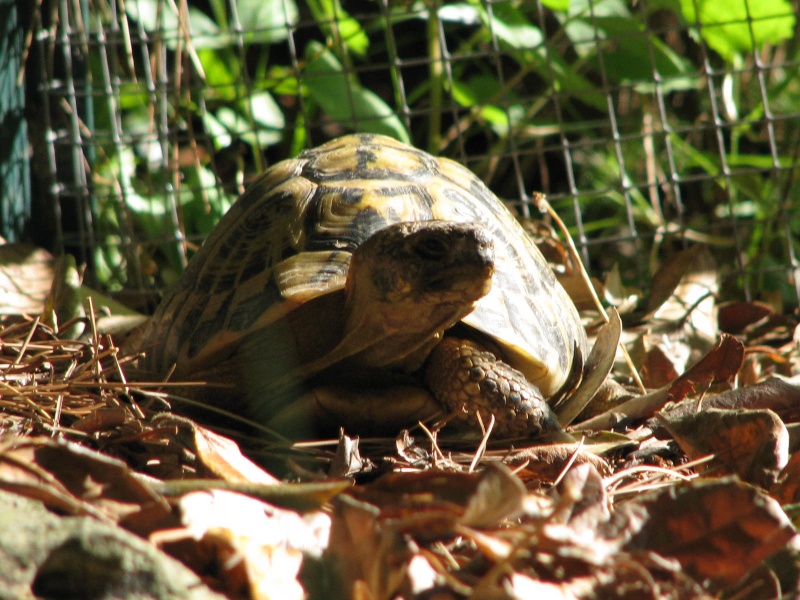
(469, 380)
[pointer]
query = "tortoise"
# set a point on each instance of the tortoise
(368, 284)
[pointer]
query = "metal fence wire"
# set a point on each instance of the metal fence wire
(649, 124)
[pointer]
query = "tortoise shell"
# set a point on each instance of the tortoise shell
(289, 239)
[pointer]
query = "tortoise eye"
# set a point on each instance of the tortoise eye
(431, 248)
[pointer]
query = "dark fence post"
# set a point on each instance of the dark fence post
(15, 196)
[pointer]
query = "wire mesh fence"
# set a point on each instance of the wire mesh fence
(650, 124)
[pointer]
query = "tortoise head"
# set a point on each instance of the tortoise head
(410, 281)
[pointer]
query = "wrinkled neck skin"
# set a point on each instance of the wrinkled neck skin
(400, 333)
(393, 335)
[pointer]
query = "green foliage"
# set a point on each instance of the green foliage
(624, 89)
(733, 27)
(344, 99)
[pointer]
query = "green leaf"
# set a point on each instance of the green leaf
(484, 92)
(203, 200)
(344, 99)
(266, 21)
(634, 56)
(466, 14)
(243, 127)
(567, 80)
(696, 158)
(580, 24)
(217, 131)
(266, 111)
(598, 8)
(339, 25)
(258, 121)
(726, 25)
(351, 33)
(479, 89)
(559, 5)
(160, 17)
(512, 27)
(220, 77)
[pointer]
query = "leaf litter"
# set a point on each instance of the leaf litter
(689, 489)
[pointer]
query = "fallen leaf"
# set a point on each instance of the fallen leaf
(547, 462)
(216, 455)
(583, 502)
(655, 366)
(596, 369)
(753, 444)
(787, 489)
(717, 529)
(757, 323)
(299, 497)
(223, 458)
(73, 479)
(718, 366)
(498, 496)
(347, 461)
(735, 317)
(680, 316)
(617, 294)
(369, 560)
(26, 275)
(683, 291)
(245, 543)
(408, 449)
(774, 394)
(102, 419)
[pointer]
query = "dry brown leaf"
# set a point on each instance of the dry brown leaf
(347, 461)
(655, 366)
(547, 462)
(74, 479)
(787, 490)
(216, 456)
(102, 419)
(499, 496)
(617, 294)
(717, 529)
(682, 288)
(757, 323)
(680, 316)
(720, 365)
(774, 394)
(583, 502)
(368, 559)
(223, 458)
(735, 317)
(760, 583)
(753, 444)
(598, 366)
(253, 549)
(408, 449)
(26, 275)
(428, 505)
(63, 307)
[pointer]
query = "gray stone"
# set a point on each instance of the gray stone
(43, 555)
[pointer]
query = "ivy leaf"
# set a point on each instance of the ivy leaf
(732, 27)
(344, 99)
